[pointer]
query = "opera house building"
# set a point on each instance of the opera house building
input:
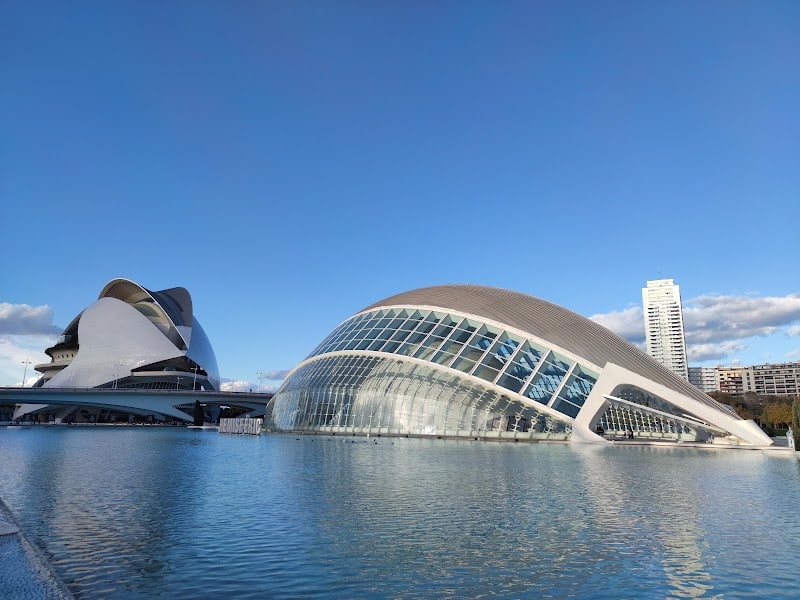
(473, 362)
(131, 338)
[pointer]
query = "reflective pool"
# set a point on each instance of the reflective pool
(180, 513)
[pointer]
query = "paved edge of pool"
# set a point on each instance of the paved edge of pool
(40, 579)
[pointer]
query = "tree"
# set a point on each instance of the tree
(766, 424)
(779, 413)
(796, 423)
(198, 416)
(723, 397)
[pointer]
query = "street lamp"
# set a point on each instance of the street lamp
(25, 362)
(260, 378)
(194, 383)
(117, 368)
(178, 385)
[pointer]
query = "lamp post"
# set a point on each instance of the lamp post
(117, 369)
(194, 383)
(25, 362)
(260, 377)
(178, 385)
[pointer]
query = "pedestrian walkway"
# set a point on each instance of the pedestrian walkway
(24, 571)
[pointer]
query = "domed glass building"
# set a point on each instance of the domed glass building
(474, 362)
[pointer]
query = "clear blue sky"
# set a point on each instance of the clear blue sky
(290, 163)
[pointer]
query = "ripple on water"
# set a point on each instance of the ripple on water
(145, 513)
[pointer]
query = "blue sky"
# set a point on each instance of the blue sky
(290, 163)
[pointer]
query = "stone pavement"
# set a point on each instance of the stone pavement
(24, 571)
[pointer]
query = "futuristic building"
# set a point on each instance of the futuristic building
(132, 338)
(466, 361)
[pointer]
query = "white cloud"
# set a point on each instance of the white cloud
(245, 386)
(25, 331)
(717, 318)
(15, 351)
(628, 323)
(717, 326)
(236, 386)
(274, 375)
(23, 319)
(718, 352)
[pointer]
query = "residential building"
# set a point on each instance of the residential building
(729, 380)
(704, 378)
(782, 379)
(663, 325)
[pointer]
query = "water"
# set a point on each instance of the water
(181, 513)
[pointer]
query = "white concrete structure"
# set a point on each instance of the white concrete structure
(663, 325)
(131, 338)
(475, 362)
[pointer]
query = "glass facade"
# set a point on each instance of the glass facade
(647, 416)
(468, 379)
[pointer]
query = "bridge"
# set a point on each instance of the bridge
(143, 402)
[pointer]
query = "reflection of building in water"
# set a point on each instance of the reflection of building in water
(626, 490)
(468, 361)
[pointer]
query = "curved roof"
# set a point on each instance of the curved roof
(174, 305)
(550, 322)
(113, 335)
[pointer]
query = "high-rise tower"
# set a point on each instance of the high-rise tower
(663, 325)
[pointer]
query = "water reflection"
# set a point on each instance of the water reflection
(624, 494)
(138, 513)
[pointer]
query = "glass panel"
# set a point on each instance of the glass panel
(566, 407)
(401, 334)
(496, 357)
(384, 323)
(396, 323)
(473, 352)
(390, 347)
(413, 320)
(410, 346)
(546, 381)
(428, 347)
(455, 343)
(524, 363)
(376, 345)
(436, 338)
(464, 332)
(380, 339)
(588, 376)
(500, 352)
(510, 382)
(366, 340)
(486, 373)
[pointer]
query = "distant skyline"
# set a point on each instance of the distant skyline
(721, 330)
(292, 163)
